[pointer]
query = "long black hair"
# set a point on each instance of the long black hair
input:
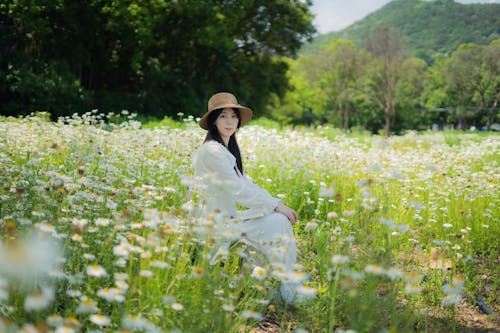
(213, 134)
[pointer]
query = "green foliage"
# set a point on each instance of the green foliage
(386, 89)
(266, 123)
(431, 28)
(165, 122)
(154, 57)
(49, 88)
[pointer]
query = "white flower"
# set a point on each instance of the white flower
(411, 277)
(177, 306)
(102, 222)
(122, 250)
(459, 280)
(326, 190)
(65, 329)
(250, 314)
(87, 305)
(452, 289)
(100, 319)
(413, 288)
(310, 226)
(259, 273)
(111, 294)
(339, 259)
(349, 212)
(332, 215)
(96, 270)
(197, 272)
(393, 273)
(306, 291)
(39, 300)
(159, 264)
(145, 273)
(375, 269)
(451, 299)
(228, 307)
(89, 256)
(120, 276)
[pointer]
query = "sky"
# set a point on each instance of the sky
(333, 15)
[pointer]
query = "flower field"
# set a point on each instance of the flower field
(395, 235)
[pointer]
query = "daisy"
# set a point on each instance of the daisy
(39, 300)
(250, 314)
(87, 305)
(100, 319)
(96, 270)
(146, 273)
(159, 264)
(259, 273)
(138, 323)
(393, 273)
(411, 277)
(452, 289)
(339, 259)
(326, 190)
(197, 272)
(228, 307)
(450, 300)
(413, 288)
(110, 294)
(375, 269)
(102, 222)
(54, 320)
(120, 276)
(349, 212)
(332, 215)
(177, 306)
(122, 250)
(310, 226)
(308, 292)
(65, 329)
(459, 280)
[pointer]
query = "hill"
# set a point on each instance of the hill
(431, 28)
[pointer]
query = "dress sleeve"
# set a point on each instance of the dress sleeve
(222, 168)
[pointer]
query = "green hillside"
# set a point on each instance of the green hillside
(431, 28)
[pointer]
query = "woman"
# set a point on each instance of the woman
(267, 223)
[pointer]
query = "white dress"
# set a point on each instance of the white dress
(221, 187)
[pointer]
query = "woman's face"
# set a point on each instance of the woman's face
(227, 124)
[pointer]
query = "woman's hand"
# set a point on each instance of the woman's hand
(288, 212)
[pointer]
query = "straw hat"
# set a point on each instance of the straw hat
(225, 100)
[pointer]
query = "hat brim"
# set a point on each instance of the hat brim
(246, 114)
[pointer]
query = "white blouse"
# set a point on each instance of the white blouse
(223, 185)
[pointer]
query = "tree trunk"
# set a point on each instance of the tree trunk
(346, 116)
(387, 127)
(491, 112)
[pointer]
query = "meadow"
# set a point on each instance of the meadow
(397, 234)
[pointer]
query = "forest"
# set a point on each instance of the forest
(160, 58)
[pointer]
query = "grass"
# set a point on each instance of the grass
(396, 234)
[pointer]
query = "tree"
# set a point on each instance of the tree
(387, 48)
(152, 56)
(489, 87)
(334, 71)
(408, 91)
(473, 76)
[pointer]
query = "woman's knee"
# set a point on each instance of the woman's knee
(283, 224)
